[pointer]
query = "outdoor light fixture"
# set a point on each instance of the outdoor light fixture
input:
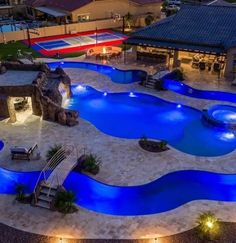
(209, 224)
(156, 240)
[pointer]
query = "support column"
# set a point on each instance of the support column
(230, 64)
(176, 59)
(11, 110)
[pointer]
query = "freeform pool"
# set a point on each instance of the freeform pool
(165, 193)
(1, 145)
(116, 75)
(184, 89)
(133, 115)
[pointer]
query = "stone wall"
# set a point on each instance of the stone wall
(46, 100)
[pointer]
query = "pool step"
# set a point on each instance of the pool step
(46, 197)
(43, 204)
(150, 83)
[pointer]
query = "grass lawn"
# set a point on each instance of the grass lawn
(10, 49)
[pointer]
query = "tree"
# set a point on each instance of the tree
(149, 19)
(128, 18)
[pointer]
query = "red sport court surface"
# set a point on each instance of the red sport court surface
(50, 46)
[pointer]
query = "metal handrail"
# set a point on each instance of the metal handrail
(57, 158)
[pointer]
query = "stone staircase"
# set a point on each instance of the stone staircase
(150, 83)
(53, 176)
(46, 196)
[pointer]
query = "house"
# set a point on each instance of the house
(89, 10)
(204, 36)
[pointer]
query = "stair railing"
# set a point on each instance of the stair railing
(57, 158)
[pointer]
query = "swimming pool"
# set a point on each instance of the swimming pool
(116, 75)
(184, 89)
(1, 145)
(133, 115)
(165, 193)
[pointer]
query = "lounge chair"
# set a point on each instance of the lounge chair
(22, 152)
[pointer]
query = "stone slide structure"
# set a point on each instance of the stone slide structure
(44, 92)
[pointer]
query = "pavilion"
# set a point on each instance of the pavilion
(203, 36)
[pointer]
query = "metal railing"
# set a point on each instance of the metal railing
(67, 152)
(57, 158)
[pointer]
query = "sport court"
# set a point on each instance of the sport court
(50, 46)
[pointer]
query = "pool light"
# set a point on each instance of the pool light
(179, 106)
(105, 94)
(131, 94)
(81, 88)
(62, 63)
(228, 136)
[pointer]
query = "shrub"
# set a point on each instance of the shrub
(91, 164)
(64, 202)
(178, 75)
(20, 192)
(149, 20)
(162, 144)
(208, 226)
(53, 150)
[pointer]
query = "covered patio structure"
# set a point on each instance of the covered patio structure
(203, 37)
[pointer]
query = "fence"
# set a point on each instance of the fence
(60, 30)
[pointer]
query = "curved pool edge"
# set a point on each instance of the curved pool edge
(182, 88)
(120, 200)
(64, 64)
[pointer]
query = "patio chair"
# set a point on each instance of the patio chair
(22, 152)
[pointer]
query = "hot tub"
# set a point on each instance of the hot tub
(221, 115)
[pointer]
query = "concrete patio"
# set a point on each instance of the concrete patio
(123, 163)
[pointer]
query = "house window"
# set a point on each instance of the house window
(83, 17)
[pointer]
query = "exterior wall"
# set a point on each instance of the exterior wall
(230, 68)
(105, 8)
(60, 30)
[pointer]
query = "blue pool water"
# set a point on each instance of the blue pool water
(184, 89)
(133, 115)
(223, 113)
(116, 75)
(166, 193)
(1, 145)
(10, 179)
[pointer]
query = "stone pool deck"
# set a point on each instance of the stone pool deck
(123, 163)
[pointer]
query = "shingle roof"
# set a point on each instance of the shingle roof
(203, 25)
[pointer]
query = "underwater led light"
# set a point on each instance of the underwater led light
(62, 62)
(80, 88)
(228, 136)
(105, 94)
(179, 106)
(131, 94)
